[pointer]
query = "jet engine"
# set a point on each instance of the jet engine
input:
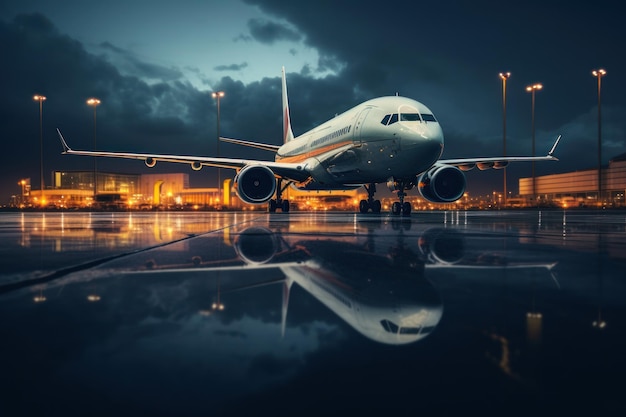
(255, 184)
(442, 184)
(150, 162)
(442, 246)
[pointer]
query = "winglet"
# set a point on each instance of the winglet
(66, 148)
(556, 142)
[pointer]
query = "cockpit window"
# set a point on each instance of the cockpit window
(407, 117)
(391, 327)
(389, 119)
(410, 117)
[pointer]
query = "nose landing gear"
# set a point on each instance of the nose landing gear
(401, 206)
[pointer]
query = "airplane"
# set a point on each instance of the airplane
(393, 140)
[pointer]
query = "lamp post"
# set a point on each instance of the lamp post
(218, 95)
(40, 99)
(94, 102)
(504, 76)
(532, 89)
(599, 73)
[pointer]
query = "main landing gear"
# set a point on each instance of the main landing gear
(397, 208)
(370, 203)
(279, 203)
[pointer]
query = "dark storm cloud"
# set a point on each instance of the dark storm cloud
(133, 114)
(448, 55)
(268, 32)
(167, 116)
(130, 64)
(231, 67)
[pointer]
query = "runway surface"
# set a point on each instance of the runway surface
(189, 314)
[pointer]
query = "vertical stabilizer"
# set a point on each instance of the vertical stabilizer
(287, 132)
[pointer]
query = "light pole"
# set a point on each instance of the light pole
(40, 99)
(532, 89)
(504, 76)
(218, 95)
(94, 102)
(599, 73)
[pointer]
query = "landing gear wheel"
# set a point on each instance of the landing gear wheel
(364, 206)
(271, 206)
(396, 208)
(406, 209)
(376, 206)
(285, 206)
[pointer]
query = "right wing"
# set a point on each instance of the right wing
(291, 171)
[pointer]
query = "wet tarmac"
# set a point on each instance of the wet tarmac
(198, 314)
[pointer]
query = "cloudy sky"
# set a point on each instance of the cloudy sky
(153, 64)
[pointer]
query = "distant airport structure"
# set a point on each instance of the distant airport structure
(75, 189)
(580, 188)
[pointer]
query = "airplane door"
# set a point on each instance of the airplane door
(356, 139)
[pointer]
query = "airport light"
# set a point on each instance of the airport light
(40, 99)
(218, 95)
(599, 73)
(532, 89)
(94, 102)
(504, 76)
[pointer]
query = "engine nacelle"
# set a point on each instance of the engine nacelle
(196, 166)
(442, 246)
(255, 184)
(442, 184)
(150, 162)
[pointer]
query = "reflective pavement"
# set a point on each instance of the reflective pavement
(176, 313)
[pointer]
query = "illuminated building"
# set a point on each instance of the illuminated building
(580, 188)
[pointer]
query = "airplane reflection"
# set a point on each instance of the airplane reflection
(384, 295)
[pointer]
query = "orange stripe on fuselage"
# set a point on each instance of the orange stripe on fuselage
(315, 152)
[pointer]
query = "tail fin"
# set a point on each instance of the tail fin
(283, 318)
(287, 132)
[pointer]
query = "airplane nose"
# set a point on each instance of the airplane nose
(424, 146)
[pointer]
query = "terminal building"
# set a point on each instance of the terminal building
(75, 189)
(579, 188)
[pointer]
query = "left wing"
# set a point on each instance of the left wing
(291, 171)
(466, 164)
(258, 145)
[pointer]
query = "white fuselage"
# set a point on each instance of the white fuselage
(383, 138)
